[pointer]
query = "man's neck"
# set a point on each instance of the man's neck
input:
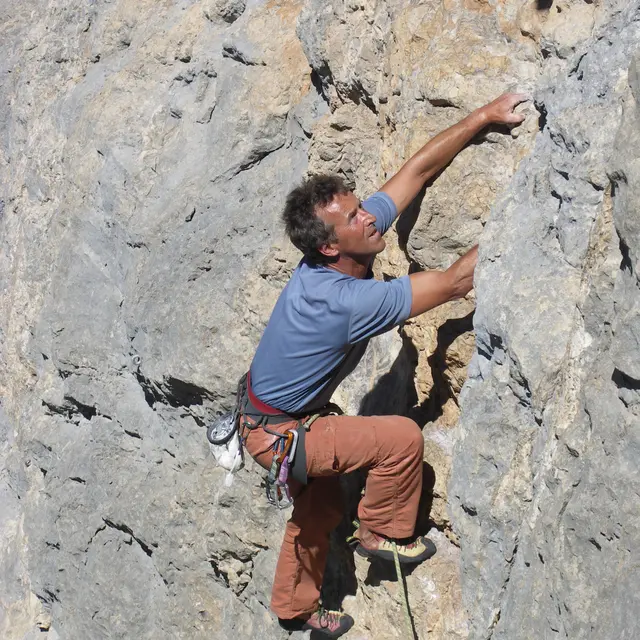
(357, 267)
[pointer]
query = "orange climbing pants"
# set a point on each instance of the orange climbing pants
(389, 447)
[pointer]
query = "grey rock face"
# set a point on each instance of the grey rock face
(139, 171)
(544, 488)
(228, 10)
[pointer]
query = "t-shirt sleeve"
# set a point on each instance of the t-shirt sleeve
(382, 207)
(378, 306)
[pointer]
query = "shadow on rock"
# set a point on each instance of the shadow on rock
(394, 394)
(385, 571)
(432, 406)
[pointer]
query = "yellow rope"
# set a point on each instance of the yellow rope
(407, 612)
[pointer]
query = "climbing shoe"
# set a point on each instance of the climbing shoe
(372, 545)
(322, 623)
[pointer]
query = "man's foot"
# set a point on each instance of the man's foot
(323, 623)
(409, 552)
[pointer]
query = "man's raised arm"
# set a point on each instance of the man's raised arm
(405, 185)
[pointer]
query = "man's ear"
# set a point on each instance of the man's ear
(330, 250)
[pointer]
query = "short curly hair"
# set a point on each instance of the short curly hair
(304, 228)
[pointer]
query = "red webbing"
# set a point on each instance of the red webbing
(260, 406)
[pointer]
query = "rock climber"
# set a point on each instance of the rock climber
(317, 333)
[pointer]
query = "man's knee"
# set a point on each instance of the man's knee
(400, 436)
(410, 436)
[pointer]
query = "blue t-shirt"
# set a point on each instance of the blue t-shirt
(321, 324)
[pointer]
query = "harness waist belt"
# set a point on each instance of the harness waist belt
(274, 416)
(260, 406)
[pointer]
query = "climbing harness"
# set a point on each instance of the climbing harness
(288, 451)
(353, 542)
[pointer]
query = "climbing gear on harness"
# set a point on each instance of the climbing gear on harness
(229, 456)
(224, 439)
(222, 428)
(286, 461)
(323, 622)
(256, 414)
(284, 450)
(298, 463)
(411, 553)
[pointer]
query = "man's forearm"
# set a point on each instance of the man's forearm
(432, 157)
(439, 151)
(430, 289)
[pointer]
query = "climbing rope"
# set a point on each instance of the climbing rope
(353, 540)
(403, 584)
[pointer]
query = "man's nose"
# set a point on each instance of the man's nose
(367, 217)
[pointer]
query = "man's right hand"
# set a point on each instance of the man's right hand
(430, 289)
(500, 111)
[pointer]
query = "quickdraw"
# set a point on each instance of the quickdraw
(284, 451)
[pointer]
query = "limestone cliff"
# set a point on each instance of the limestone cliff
(145, 152)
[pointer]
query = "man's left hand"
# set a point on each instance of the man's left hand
(501, 110)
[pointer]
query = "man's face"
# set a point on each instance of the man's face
(354, 228)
